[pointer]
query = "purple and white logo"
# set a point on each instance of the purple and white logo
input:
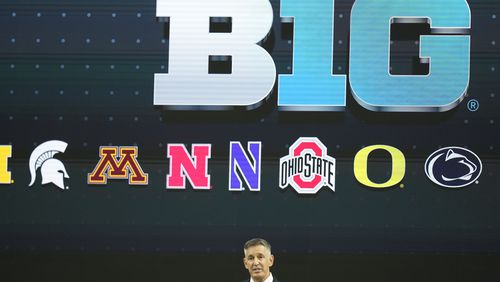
(244, 166)
(453, 167)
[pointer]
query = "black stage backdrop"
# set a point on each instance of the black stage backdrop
(82, 71)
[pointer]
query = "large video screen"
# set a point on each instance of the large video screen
(191, 126)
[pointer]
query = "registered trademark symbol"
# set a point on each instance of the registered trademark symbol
(12, 182)
(401, 185)
(477, 182)
(473, 105)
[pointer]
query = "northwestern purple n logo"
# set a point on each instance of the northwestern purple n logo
(249, 169)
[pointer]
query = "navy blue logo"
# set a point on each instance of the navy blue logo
(453, 167)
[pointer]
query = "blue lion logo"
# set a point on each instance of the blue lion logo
(453, 167)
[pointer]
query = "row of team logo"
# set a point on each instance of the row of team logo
(306, 169)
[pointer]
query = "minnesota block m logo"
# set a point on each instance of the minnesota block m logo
(118, 163)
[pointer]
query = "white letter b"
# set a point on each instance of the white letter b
(188, 82)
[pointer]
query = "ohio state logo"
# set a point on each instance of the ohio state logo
(307, 168)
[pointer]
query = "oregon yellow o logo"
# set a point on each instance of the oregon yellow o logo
(5, 154)
(361, 166)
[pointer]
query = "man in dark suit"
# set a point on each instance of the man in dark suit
(258, 260)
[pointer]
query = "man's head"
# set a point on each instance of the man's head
(258, 258)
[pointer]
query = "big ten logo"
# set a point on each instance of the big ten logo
(251, 74)
(307, 168)
(5, 154)
(398, 166)
(118, 163)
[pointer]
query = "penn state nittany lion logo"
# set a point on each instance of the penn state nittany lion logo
(52, 170)
(453, 167)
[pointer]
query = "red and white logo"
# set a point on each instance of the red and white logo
(307, 168)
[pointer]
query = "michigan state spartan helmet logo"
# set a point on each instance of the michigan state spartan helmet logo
(52, 170)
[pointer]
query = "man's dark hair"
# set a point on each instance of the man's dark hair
(257, 242)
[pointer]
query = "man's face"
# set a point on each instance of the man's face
(258, 260)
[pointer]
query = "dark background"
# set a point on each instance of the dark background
(57, 85)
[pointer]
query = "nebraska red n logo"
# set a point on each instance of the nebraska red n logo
(193, 167)
(109, 167)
